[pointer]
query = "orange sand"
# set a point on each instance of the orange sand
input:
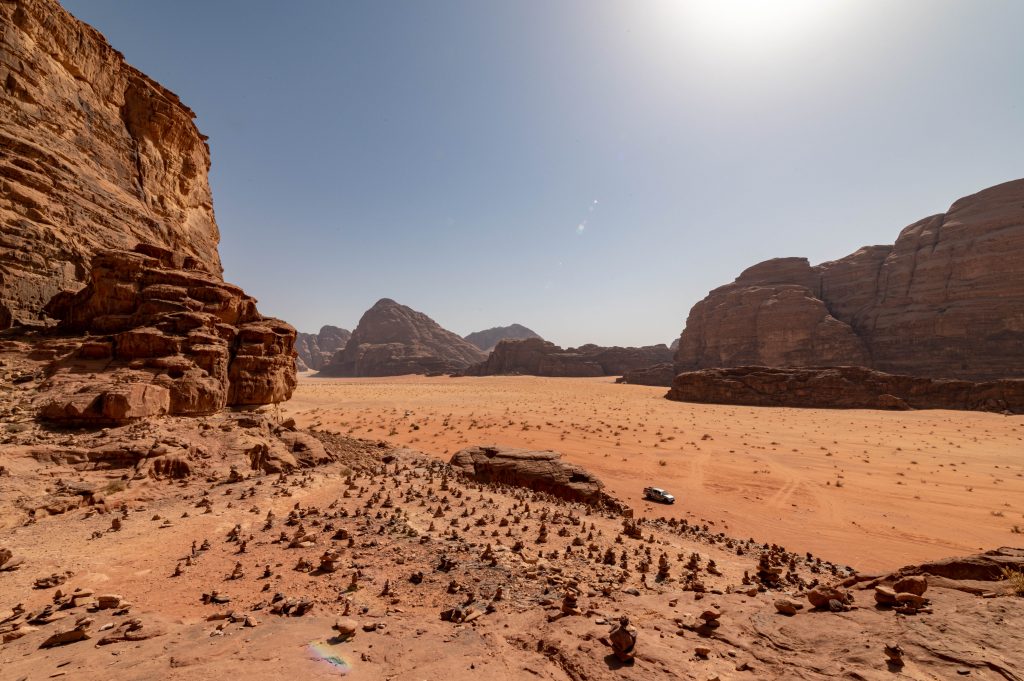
(870, 489)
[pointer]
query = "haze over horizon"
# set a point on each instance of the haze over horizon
(587, 169)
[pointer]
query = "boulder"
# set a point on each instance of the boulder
(114, 406)
(822, 596)
(543, 471)
(9, 561)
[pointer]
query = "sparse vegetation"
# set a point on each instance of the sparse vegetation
(1016, 580)
(114, 486)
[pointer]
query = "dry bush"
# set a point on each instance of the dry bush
(1016, 580)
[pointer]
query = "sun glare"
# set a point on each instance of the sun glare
(751, 23)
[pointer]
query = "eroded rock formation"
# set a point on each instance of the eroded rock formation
(543, 471)
(488, 339)
(315, 350)
(947, 300)
(392, 340)
(843, 387)
(94, 155)
(538, 357)
(163, 339)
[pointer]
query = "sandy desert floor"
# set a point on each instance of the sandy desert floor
(871, 489)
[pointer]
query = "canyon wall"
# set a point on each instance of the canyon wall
(946, 300)
(94, 155)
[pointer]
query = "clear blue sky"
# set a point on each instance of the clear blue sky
(589, 169)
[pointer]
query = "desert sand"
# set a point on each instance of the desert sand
(871, 489)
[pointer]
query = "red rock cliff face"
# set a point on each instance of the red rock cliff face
(947, 300)
(93, 155)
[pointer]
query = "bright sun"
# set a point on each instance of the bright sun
(751, 23)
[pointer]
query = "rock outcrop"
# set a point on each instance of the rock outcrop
(843, 387)
(946, 301)
(315, 350)
(537, 357)
(392, 340)
(163, 339)
(543, 471)
(94, 155)
(657, 375)
(488, 339)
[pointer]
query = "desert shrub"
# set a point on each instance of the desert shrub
(114, 486)
(1016, 580)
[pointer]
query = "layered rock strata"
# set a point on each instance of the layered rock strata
(392, 340)
(163, 339)
(844, 387)
(542, 471)
(94, 155)
(537, 357)
(946, 300)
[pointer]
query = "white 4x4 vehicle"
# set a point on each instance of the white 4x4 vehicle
(659, 495)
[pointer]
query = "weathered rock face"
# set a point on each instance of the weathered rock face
(657, 375)
(315, 350)
(947, 300)
(392, 340)
(93, 155)
(543, 471)
(164, 340)
(487, 340)
(843, 387)
(537, 357)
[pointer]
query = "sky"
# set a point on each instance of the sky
(587, 168)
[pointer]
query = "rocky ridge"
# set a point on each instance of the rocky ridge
(541, 471)
(162, 339)
(945, 301)
(94, 155)
(487, 340)
(315, 350)
(844, 387)
(392, 340)
(537, 357)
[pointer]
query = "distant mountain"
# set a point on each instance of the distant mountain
(486, 340)
(316, 349)
(393, 339)
(538, 357)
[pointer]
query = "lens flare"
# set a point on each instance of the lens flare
(331, 655)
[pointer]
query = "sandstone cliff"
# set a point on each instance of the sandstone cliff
(488, 339)
(162, 339)
(844, 388)
(392, 340)
(316, 349)
(947, 300)
(93, 155)
(537, 357)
